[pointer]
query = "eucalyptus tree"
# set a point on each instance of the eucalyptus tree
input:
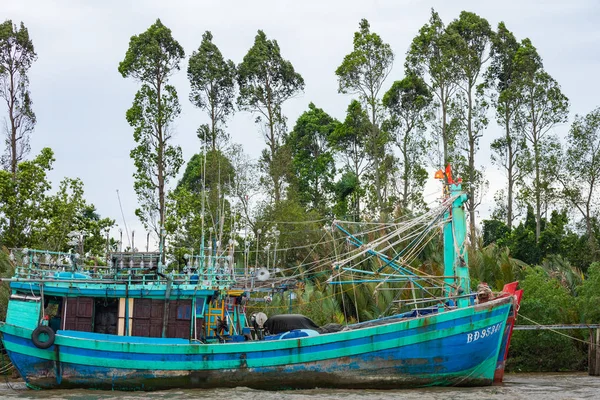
(543, 107)
(266, 80)
(433, 56)
(16, 57)
(212, 79)
(349, 140)
(471, 36)
(508, 151)
(313, 164)
(409, 105)
(581, 177)
(363, 72)
(153, 56)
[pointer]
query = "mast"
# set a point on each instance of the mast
(457, 281)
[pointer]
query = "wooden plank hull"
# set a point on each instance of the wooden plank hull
(459, 347)
(511, 290)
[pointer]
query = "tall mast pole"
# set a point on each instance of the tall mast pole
(457, 281)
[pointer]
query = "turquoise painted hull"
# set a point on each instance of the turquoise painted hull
(458, 348)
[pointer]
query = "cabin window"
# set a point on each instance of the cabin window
(184, 311)
(200, 307)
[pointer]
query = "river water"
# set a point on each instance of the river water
(516, 386)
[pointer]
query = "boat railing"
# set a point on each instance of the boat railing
(129, 268)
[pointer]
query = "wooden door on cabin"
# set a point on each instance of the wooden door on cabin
(79, 314)
(180, 315)
(147, 317)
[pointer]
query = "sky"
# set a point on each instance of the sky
(80, 98)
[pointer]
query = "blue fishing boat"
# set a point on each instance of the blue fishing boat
(132, 326)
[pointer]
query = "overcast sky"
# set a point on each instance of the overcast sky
(80, 99)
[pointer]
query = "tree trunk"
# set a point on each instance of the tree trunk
(406, 171)
(472, 142)
(13, 146)
(509, 205)
(161, 172)
(444, 128)
(377, 161)
(537, 189)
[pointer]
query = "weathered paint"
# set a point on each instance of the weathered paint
(108, 289)
(24, 313)
(510, 289)
(458, 347)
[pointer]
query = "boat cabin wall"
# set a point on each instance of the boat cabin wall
(133, 317)
(24, 313)
(197, 319)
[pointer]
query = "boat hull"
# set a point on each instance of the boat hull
(511, 290)
(458, 348)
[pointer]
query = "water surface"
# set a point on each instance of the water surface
(565, 386)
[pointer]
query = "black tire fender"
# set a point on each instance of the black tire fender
(35, 337)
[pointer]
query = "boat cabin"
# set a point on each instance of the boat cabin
(130, 298)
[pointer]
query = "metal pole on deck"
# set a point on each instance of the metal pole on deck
(597, 354)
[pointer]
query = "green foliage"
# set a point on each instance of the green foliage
(543, 106)
(470, 36)
(349, 140)
(6, 271)
(363, 72)
(16, 57)
(589, 296)
(495, 266)
(581, 172)
(266, 80)
(301, 238)
(214, 182)
(313, 166)
(409, 105)
(493, 230)
(347, 187)
(67, 211)
(547, 302)
(213, 87)
(433, 56)
(22, 198)
(151, 58)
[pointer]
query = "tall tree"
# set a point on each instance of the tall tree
(543, 106)
(409, 105)
(432, 55)
(506, 98)
(363, 73)
(213, 88)
(313, 165)
(581, 177)
(21, 199)
(471, 37)
(16, 56)
(152, 57)
(349, 140)
(266, 80)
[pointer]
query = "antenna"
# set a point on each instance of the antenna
(123, 216)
